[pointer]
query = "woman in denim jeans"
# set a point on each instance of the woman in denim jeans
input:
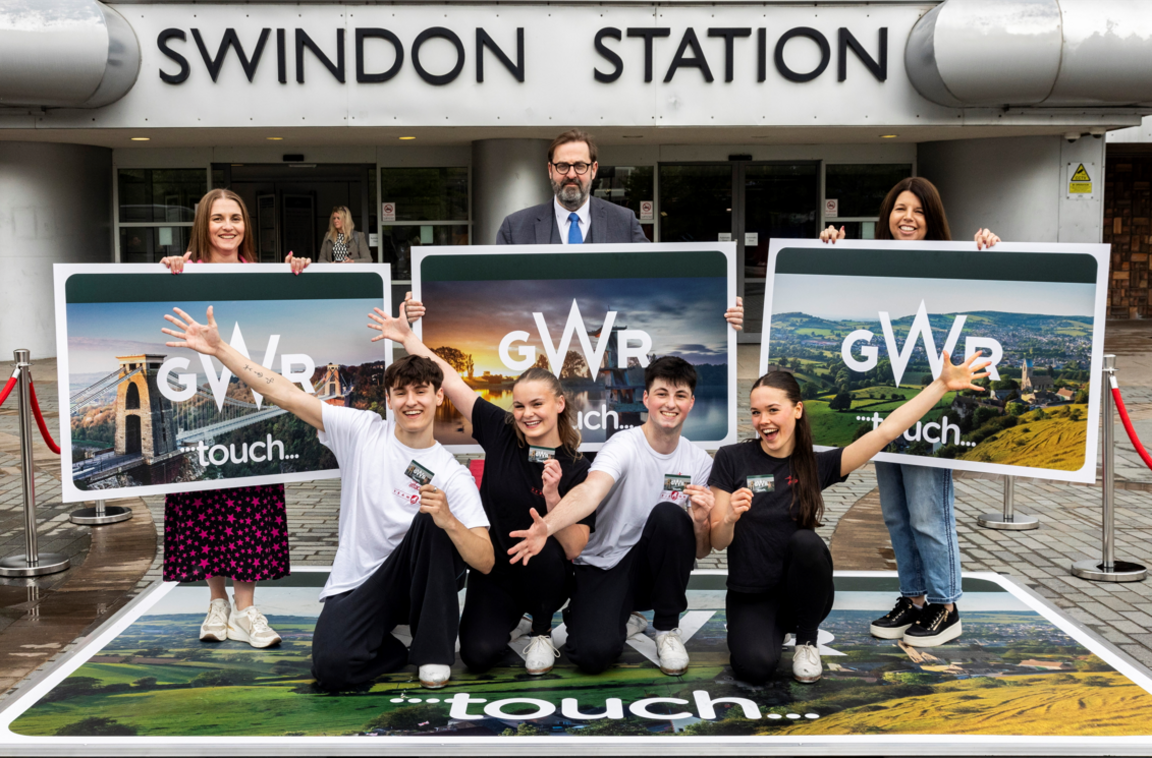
(918, 501)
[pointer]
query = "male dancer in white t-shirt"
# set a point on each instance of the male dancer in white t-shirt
(648, 486)
(410, 520)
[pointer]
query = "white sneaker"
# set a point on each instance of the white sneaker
(636, 624)
(523, 629)
(215, 626)
(250, 625)
(671, 653)
(789, 639)
(806, 666)
(434, 675)
(540, 655)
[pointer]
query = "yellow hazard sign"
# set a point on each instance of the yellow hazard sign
(1080, 183)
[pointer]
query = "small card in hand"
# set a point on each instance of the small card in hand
(759, 484)
(676, 482)
(418, 474)
(540, 454)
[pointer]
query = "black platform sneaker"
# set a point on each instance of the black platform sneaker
(935, 626)
(893, 625)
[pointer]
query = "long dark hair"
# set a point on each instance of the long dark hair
(200, 242)
(565, 422)
(934, 216)
(805, 480)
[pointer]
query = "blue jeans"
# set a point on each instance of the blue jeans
(917, 502)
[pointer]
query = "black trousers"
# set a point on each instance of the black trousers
(417, 585)
(757, 622)
(653, 575)
(495, 603)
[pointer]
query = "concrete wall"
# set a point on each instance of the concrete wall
(1016, 186)
(55, 207)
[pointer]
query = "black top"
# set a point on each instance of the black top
(756, 555)
(512, 484)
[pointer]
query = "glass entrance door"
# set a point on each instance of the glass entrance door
(290, 205)
(745, 201)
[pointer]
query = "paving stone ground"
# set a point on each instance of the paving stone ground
(1069, 513)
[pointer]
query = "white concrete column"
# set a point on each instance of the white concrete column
(55, 207)
(1017, 187)
(507, 175)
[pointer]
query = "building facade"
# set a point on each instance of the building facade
(430, 121)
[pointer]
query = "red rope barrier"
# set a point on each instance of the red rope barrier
(1128, 424)
(40, 421)
(4, 393)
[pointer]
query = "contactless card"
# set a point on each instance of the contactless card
(759, 484)
(540, 454)
(676, 482)
(418, 473)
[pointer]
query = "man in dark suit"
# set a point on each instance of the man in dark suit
(573, 216)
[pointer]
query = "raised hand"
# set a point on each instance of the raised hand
(701, 502)
(532, 539)
(416, 308)
(735, 314)
(434, 501)
(985, 239)
(738, 505)
(551, 476)
(831, 234)
(175, 263)
(199, 337)
(960, 377)
(395, 329)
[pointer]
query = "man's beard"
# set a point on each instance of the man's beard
(570, 195)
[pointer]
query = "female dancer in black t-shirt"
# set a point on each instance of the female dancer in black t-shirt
(518, 486)
(768, 504)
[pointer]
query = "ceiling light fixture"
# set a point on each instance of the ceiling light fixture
(274, 139)
(140, 139)
(889, 136)
(406, 138)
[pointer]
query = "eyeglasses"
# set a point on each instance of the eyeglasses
(579, 168)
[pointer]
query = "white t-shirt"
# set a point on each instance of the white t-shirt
(377, 500)
(639, 473)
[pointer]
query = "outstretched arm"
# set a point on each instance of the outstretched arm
(398, 330)
(952, 378)
(205, 339)
(577, 504)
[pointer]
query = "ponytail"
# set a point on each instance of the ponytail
(565, 422)
(806, 495)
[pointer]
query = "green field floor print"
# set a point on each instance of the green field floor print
(1019, 673)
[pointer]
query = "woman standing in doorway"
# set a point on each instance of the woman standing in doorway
(918, 502)
(239, 533)
(342, 243)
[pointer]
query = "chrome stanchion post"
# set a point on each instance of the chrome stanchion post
(1108, 569)
(101, 514)
(31, 562)
(1009, 519)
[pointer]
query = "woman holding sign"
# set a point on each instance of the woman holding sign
(531, 461)
(918, 501)
(768, 505)
(239, 533)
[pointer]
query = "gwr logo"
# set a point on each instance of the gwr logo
(575, 326)
(219, 382)
(921, 329)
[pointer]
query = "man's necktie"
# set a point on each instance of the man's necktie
(574, 235)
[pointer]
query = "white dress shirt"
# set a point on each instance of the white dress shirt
(583, 216)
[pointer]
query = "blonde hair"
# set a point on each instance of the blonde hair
(565, 421)
(200, 242)
(346, 222)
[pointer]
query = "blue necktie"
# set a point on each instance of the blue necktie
(574, 235)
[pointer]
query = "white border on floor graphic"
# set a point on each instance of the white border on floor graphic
(911, 744)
